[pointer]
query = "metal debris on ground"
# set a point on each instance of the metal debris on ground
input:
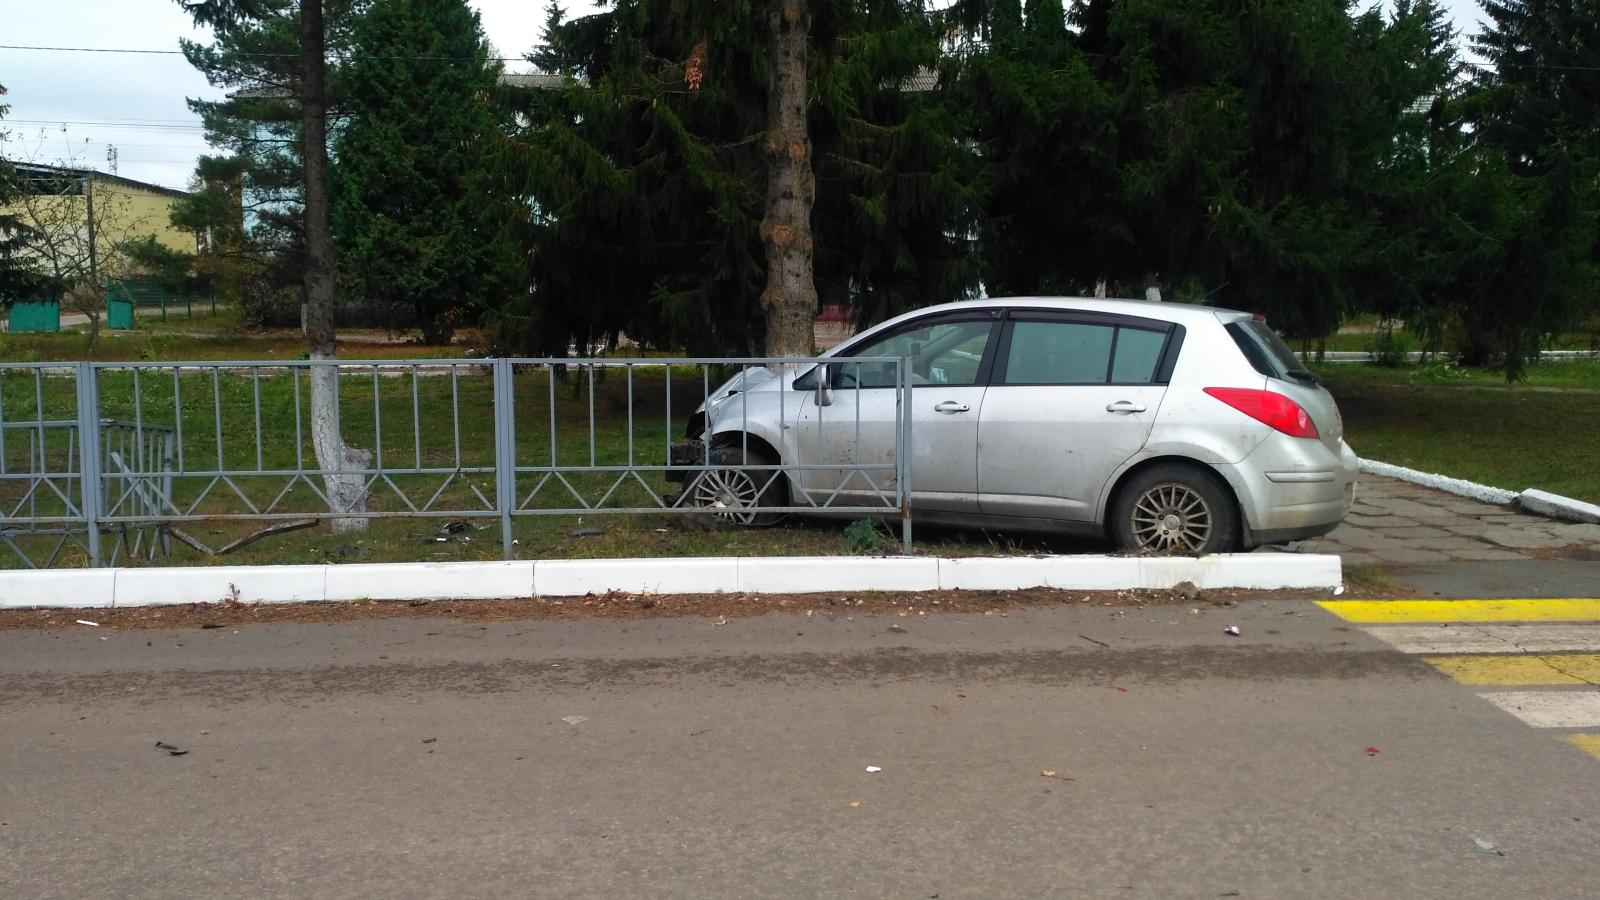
(1052, 773)
(88, 623)
(574, 720)
(873, 769)
(171, 749)
(1231, 629)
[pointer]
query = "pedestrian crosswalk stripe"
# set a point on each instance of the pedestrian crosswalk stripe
(1588, 743)
(1550, 709)
(1489, 638)
(1526, 669)
(1530, 610)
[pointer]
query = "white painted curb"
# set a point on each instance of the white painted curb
(1556, 506)
(1532, 500)
(572, 577)
(1457, 486)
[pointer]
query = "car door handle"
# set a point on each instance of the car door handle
(1124, 406)
(950, 408)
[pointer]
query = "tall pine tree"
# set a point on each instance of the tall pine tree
(651, 176)
(254, 56)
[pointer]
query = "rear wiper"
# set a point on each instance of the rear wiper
(1304, 375)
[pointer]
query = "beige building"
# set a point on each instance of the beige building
(82, 218)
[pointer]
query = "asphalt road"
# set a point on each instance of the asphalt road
(425, 758)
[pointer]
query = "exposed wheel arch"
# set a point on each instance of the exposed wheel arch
(1108, 509)
(734, 440)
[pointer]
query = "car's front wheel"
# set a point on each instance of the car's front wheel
(1174, 510)
(732, 494)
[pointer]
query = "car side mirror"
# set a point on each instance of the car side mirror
(824, 378)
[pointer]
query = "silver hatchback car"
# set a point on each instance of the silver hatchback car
(1166, 427)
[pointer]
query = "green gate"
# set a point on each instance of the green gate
(35, 315)
(119, 314)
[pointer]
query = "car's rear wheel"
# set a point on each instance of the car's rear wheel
(1174, 510)
(730, 493)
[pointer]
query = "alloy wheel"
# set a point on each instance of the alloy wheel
(731, 495)
(1171, 518)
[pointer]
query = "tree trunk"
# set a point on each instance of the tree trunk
(790, 301)
(341, 464)
(1152, 286)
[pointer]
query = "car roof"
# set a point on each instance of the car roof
(1155, 309)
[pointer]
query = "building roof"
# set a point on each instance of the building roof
(535, 80)
(924, 79)
(532, 80)
(31, 172)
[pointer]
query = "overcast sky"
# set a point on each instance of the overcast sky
(69, 106)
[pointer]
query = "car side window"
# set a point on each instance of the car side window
(1062, 351)
(1059, 353)
(948, 353)
(1138, 355)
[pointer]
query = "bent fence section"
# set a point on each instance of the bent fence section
(108, 463)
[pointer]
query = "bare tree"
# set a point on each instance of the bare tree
(74, 229)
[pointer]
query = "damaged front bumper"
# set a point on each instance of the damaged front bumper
(681, 456)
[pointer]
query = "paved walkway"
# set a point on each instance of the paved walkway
(1399, 523)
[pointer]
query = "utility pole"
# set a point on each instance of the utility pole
(88, 193)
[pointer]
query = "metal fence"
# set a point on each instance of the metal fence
(105, 463)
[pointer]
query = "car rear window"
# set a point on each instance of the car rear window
(1266, 351)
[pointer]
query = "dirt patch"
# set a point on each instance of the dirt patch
(619, 606)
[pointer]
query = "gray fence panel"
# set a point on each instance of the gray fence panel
(136, 449)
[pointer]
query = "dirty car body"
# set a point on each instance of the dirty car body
(1165, 427)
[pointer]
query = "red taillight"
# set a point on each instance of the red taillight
(1268, 408)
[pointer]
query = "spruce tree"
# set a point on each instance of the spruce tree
(1246, 130)
(413, 212)
(1535, 112)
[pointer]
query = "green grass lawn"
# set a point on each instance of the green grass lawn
(1540, 433)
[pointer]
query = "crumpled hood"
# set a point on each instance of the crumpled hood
(754, 378)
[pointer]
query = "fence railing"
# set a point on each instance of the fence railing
(105, 463)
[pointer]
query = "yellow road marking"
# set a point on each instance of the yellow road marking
(1588, 743)
(1575, 668)
(1552, 610)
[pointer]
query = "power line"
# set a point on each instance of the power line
(134, 51)
(137, 51)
